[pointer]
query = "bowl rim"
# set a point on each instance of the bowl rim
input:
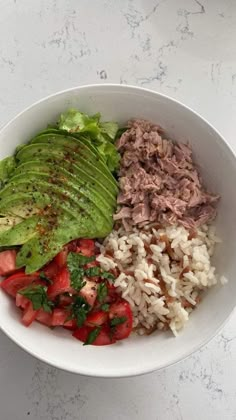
(131, 372)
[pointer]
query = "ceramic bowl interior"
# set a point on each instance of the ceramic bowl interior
(217, 163)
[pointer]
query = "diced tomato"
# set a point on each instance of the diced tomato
(72, 246)
(64, 301)
(51, 269)
(61, 258)
(96, 318)
(104, 337)
(18, 281)
(61, 284)
(60, 318)
(21, 301)
(90, 265)
(86, 247)
(89, 292)
(119, 310)
(29, 315)
(7, 262)
(44, 317)
(112, 293)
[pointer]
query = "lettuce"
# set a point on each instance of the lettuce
(101, 134)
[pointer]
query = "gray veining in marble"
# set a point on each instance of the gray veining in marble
(184, 48)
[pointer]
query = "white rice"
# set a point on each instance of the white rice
(151, 275)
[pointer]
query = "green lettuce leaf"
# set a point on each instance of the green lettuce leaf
(110, 155)
(102, 134)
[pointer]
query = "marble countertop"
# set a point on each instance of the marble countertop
(184, 48)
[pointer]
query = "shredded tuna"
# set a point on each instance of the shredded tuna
(159, 181)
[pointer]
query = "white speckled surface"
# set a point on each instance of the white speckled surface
(184, 48)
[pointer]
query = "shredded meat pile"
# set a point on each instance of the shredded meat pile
(159, 181)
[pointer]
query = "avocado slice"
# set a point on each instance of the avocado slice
(63, 178)
(20, 233)
(77, 201)
(46, 152)
(23, 205)
(39, 250)
(79, 146)
(78, 178)
(81, 136)
(58, 189)
(82, 170)
(8, 222)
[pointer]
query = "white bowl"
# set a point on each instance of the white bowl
(135, 355)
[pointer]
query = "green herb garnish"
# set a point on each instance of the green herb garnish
(43, 276)
(107, 275)
(92, 336)
(37, 294)
(97, 271)
(79, 310)
(92, 271)
(74, 262)
(117, 321)
(105, 307)
(102, 292)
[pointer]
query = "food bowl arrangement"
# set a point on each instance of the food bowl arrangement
(117, 228)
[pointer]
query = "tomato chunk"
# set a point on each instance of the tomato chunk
(60, 318)
(61, 284)
(120, 310)
(51, 269)
(7, 262)
(64, 301)
(96, 318)
(104, 337)
(21, 301)
(86, 247)
(89, 292)
(18, 281)
(44, 318)
(29, 315)
(61, 258)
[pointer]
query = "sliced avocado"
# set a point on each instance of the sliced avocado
(39, 250)
(23, 204)
(59, 189)
(74, 201)
(79, 146)
(20, 233)
(76, 174)
(81, 169)
(81, 136)
(8, 222)
(45, 151)
(64, 179)
(7, 166)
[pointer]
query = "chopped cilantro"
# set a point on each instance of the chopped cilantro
(79, 310)
(117, 321)
(102, 292)
(38, 296)
(107, 275)
(75, 260)
(75, 263)
(77, 279)
(92, 336)
(76, 272)
(92, 271)
(105, 307)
